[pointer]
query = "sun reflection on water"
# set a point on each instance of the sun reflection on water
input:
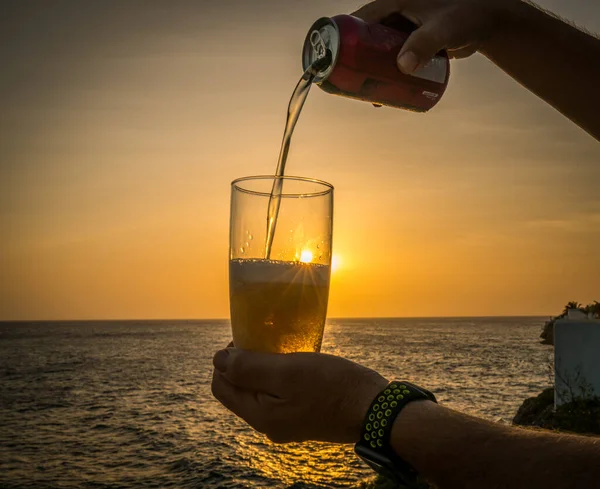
(312, 463)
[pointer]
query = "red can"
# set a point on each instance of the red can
(363, 64)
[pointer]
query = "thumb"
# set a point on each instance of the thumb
(421, 46)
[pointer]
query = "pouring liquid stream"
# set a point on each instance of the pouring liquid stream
(294, 109)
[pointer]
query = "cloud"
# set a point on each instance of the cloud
(577, 223)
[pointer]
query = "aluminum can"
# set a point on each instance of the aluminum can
(363, 64)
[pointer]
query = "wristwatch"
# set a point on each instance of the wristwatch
(374, 444)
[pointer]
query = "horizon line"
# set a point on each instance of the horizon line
(228, 319)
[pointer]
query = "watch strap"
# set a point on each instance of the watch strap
(374, 444)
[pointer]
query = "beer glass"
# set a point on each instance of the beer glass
(278, 297)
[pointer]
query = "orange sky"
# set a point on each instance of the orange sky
(122, 125)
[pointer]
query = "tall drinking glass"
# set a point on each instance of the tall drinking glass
(278, 299)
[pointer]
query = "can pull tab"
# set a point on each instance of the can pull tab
(318, 44)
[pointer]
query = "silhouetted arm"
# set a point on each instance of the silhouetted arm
(311, 396)
(457, 451)
(553, 59)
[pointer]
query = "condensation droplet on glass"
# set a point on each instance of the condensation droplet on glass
(242, 250)
(246, 244)
(250, 237)
(318, 246)
(320, 257)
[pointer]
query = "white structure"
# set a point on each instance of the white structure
(576, 359)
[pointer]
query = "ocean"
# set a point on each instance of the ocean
(125, 404)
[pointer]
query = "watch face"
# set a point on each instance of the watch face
(383, 465)
(382, 469)
(371, 457)
(375, 466)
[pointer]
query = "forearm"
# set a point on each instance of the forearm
(454, 450)
(553, 59)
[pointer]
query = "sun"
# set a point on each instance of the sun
(306, 256)
(335, 263)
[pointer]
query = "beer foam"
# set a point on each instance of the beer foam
(274, 271)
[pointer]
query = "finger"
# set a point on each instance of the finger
(422, 45)
(252, 371)
(242, 403)
(379, 9)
